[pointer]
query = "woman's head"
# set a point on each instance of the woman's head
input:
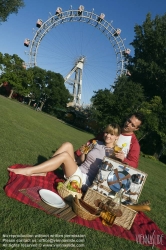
(113, 129)
(111, 134)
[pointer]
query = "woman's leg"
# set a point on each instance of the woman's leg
(69, 166)
(68, 147)
(65, 147)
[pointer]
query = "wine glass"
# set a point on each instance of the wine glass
(99, 177)
(108, 152)
(117, 148)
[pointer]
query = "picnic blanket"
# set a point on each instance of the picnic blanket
(143, 231)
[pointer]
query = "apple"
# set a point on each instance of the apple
(78, 190)
(74, 184)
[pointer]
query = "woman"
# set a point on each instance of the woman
(64, 157)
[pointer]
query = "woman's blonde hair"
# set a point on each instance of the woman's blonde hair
(113, 129)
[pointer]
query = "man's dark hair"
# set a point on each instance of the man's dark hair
(139, 116)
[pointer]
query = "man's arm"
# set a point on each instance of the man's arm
(134, 152)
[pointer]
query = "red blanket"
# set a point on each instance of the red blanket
(143, 230)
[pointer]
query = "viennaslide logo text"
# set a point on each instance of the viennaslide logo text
(150, 239)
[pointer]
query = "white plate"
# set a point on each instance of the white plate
(51, 198)
(58, 206)
(52, 205)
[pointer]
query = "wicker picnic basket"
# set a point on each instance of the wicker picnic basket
(82, 211)
(67, 194)
(128, 214)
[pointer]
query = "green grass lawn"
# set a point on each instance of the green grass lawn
(30, 137)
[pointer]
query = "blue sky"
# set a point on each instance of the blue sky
(61, 47)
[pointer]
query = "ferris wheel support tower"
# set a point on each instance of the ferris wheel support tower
(77, 82)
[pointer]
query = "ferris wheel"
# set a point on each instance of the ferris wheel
(82, 17)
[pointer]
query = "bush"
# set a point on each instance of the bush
(149, 156)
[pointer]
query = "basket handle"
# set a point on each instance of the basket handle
(68, 180)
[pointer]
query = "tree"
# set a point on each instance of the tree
(14, 74)
(154, 130)
(144, 90)
(148, 66)
(48, 89)
(102, 106)
(58, 95)
(8, 7)
(128, 96)
(37, 85)
(116, 106)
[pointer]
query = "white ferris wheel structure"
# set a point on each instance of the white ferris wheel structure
(78, 16)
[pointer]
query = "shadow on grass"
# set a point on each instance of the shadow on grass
(41, 159)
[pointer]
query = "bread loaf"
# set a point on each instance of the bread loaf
(139, 207)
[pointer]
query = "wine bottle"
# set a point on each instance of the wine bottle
(117, 200)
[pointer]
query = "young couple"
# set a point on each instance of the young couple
(88, 168)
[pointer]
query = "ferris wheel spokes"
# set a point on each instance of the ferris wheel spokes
(79, 15)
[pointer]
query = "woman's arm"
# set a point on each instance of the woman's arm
(81, 158)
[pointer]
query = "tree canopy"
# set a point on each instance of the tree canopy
(115, 106)
(44, 87)
(144, 90)
(8, 7)
(148, 65)
(12, 71)
(48, 88)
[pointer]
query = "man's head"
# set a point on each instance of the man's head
(133, 123)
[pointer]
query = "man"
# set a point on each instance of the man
(130, 152)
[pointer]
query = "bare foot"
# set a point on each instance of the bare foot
(22, 171)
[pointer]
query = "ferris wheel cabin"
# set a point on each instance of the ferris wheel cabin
(128, 73)
(24, 65)
(80, 10)
(39, 23)
(101, 17)
(126, 52)
(58, 11)
(117, 32)
(26, 42)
